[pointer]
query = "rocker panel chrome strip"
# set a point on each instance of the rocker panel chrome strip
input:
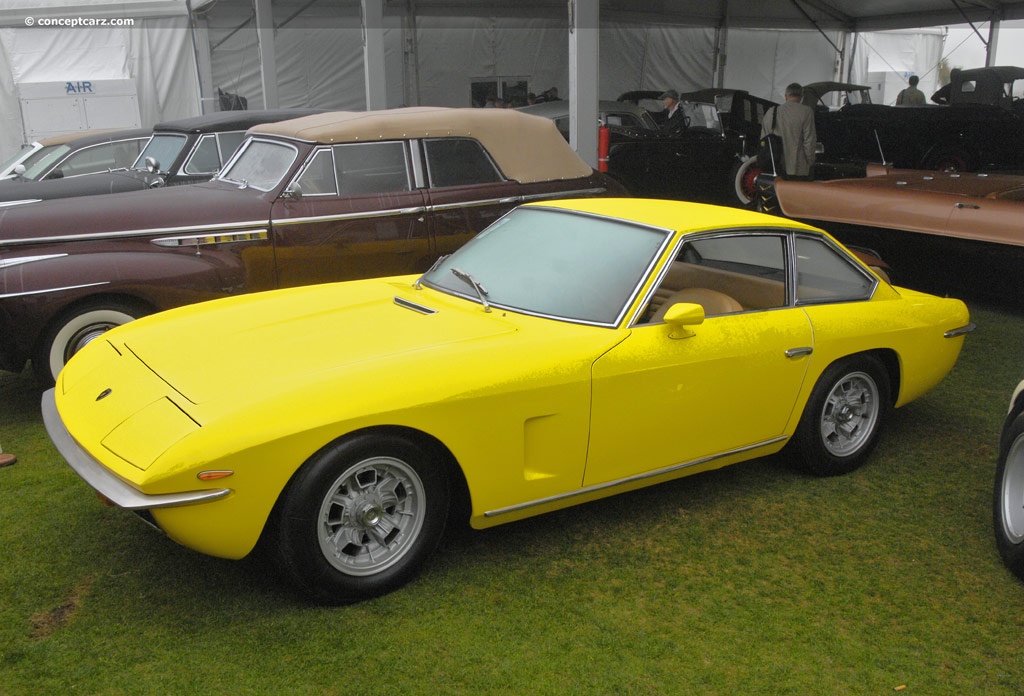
(629, 479)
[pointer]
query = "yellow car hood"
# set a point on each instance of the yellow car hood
(297, 336)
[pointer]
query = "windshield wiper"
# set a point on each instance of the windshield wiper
(469, 280)
(419, 281)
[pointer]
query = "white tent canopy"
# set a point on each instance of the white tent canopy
(177, 54)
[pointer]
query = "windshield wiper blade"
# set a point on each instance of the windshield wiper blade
(469, 280)
(419, 281)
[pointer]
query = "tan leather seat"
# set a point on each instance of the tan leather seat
(714, 302)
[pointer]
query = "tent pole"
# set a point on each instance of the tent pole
(268, 58)
(584, 18)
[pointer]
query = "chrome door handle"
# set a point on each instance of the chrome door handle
(799, 352)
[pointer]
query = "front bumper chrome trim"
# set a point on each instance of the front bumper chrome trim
(101, 479)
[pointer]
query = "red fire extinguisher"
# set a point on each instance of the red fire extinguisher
(602, 148)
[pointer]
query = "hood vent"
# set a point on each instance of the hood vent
(401, 302)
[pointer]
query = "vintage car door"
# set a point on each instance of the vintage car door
(661, 400)
(351, 212)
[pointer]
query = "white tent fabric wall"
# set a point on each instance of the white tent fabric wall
(886, 59)
(319, 56)
(763, 62)
(156, 53)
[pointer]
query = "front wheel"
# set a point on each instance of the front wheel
(73, 330)
(1008, 498)
(360, 518)
(843, 417)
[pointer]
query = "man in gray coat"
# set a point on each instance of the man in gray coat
(794, 122)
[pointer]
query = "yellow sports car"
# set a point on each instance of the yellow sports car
(573, 350)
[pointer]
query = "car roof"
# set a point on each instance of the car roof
(231, 120)
(674, 215)
(91, 137)
(526, 148)
(1005, 73)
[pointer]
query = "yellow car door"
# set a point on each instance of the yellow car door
(660, 401)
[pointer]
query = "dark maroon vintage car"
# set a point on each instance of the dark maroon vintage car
(334, 196)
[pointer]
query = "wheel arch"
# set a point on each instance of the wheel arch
(72, 308)
(461, 502)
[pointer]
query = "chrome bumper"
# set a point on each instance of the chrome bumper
(100, 478)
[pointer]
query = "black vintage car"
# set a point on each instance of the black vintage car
(184, 151)
(980, 128)
(712, 159)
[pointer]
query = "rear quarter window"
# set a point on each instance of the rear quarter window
(459, 162)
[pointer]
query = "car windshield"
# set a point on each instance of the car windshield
(38, 162)
(260, 164)
(164, 148)
(555, 263)
(701, 115)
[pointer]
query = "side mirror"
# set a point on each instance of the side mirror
(152, 166)
(293, 192)
(682, 315)
(18, 170)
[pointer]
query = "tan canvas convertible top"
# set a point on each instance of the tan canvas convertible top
(526, 148)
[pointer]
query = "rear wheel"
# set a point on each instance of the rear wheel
(843, 417)
(360, 518)
(744, 176)
(1008, 498)
(74, 330)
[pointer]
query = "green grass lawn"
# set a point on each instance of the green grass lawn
(749, 580)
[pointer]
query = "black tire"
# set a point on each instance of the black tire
(842, 420)
(1008, 497)
(360, 518)
(73, 329)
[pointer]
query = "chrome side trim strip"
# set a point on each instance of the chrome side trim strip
(7, 263)
(511, 200)
(629, 479)
(102, 479)
(60, 289)
(350, 216)
(222, 238)
(153, 231)
(7, 204)
(963, 330)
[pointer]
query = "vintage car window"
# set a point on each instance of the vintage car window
(98, 158)
(17, 157)
(825, 274)
(262, 164)
(205, 159)
(750, 254)
(317, 178)
(726, 274)
(40, 161)
(700, 115)
(459, 162)
(213, 150)
(164, 148)
(554, 263)
(367, 168)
